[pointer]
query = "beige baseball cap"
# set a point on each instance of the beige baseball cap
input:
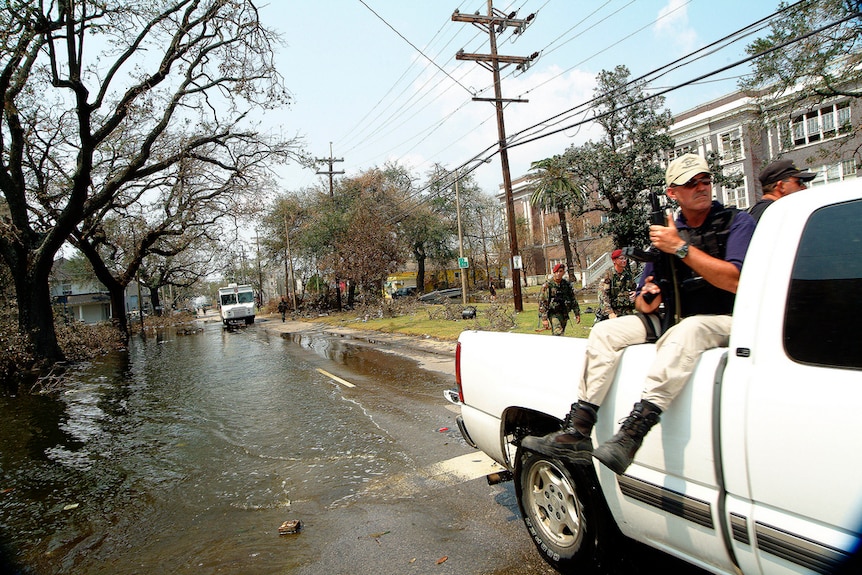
(685, 168)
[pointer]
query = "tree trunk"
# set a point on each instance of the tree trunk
(155, 301)
(35, 314)
(116, 288)
(118, 304)
(419, 255)
(351, 293)
(567, 246)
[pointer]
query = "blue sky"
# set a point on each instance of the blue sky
(360, 86)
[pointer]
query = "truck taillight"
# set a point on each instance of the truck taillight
(458, 372)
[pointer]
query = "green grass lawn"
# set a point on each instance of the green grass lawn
(431, 319)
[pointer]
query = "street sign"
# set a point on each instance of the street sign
(463, 263)
(516, 262)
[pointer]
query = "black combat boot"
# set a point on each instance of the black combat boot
(573, 441)
(618, 452)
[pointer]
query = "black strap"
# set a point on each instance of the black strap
(651, 334)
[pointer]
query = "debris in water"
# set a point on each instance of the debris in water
(70, 506)
(443, 559)
(442, 429)
(290, 526)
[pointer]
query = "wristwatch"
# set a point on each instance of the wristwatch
(682, 251)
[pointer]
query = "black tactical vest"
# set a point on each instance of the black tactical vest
(698, 296)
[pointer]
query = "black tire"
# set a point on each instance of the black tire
(561, 507)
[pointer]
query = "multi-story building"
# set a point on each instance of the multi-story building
(540, 236)
(820, 139)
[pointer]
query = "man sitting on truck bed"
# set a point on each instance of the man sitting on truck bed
(707, 244)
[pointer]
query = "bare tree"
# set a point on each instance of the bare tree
(101, 97)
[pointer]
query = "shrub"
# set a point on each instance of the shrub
(78, 341)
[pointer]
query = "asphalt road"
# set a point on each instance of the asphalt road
(440, 515)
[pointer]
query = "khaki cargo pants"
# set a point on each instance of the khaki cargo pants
(677, 352)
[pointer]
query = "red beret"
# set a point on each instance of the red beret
(616, 253)
(559, 267)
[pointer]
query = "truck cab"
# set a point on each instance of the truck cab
(236, 304)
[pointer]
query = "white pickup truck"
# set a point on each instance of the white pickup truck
(755, 467)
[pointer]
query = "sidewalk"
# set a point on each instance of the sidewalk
(432, 354)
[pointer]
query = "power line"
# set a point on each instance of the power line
(693, 80)
(415, 48)
(489, 152)
(418, 95)
(407, 107)
(522, 137)
(345, 138)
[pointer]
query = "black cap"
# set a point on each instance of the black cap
(781, 170)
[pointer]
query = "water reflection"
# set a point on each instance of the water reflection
(188, 452)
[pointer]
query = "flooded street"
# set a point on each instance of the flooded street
(186, 454)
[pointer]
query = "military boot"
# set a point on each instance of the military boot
(573, 441)
(618, 452)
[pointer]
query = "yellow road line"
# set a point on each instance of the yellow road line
(335, 378)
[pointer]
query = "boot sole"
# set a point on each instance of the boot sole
(582, 456)
(611, 461)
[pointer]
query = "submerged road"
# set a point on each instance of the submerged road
(185, 455)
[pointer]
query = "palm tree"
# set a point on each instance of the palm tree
(555, 189)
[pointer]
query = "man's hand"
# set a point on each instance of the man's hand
(649, 287)
(578, 318)
(665, 238)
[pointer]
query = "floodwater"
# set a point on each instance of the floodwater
(186, 453)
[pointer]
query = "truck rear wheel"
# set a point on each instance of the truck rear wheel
(560, 510)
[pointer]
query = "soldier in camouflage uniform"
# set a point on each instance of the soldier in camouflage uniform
(616, 290)
(555, 302)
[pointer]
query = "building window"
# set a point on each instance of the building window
(66, 287)
(689, 148)
(736, 197)
(827, 122)
(831, 173)
(731, 146)
(555, 234)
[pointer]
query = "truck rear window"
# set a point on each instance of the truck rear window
(823, 317)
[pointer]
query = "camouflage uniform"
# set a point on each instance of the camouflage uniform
(614, 290)
(555, 302)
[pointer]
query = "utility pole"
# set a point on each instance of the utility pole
(493, 23)
(484, 248)
(259, 272)
(288, 276)
(462, 271)
(330, 160)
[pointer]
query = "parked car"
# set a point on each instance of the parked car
(404, 292)
(441, 296)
